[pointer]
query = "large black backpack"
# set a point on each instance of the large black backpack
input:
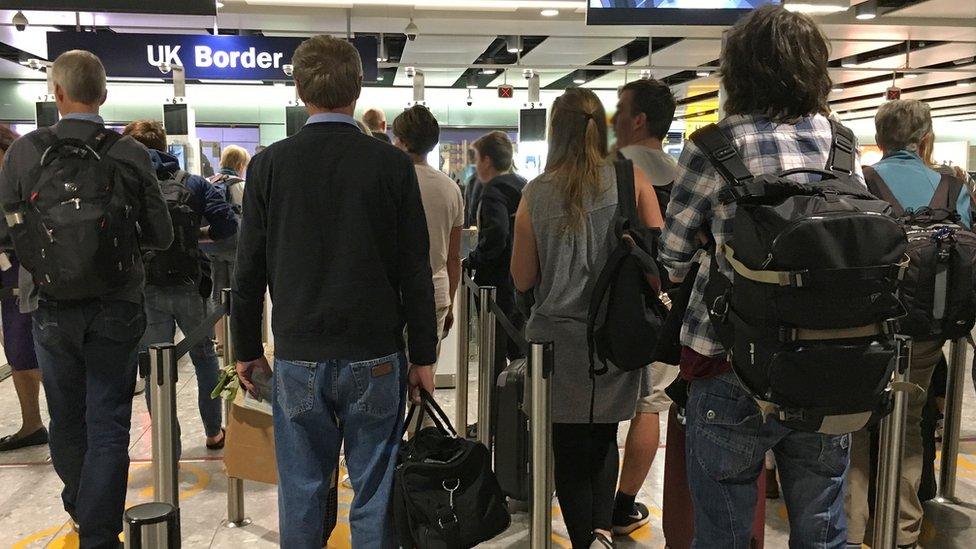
(76, 230)
(626, 313)
(178, 265)
(938, 290)
(807, 317)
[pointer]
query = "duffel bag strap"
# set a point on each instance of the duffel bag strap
(854, 332)
(811, 278)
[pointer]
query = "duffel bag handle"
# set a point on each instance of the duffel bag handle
(433, 410)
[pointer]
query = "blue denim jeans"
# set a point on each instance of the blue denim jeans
(317, 407)
(87, 355)
(167, 308)
(726, 443)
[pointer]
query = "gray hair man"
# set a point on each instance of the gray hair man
(87, 348)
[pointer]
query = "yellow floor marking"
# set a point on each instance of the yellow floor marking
(37, 536)
(201, 478)
(341, 537)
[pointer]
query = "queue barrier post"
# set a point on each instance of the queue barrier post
(162, 388)
(463, 367)
(955, 383)
(892, 444)
(540, 372)
(486, 363)
(153, 525)
(235, 486)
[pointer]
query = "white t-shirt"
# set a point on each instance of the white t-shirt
(444, 208)
(660, 166)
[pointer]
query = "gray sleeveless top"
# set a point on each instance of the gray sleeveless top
(570, 261)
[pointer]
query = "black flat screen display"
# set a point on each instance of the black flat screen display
(670, 12)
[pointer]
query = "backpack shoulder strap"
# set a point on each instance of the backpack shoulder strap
(42, 139)
(946, 194)
(725, 159)
(841, 157)
(877, 186)
(626, 196)
(103, 140)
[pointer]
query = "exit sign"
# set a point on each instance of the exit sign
(506, 91)
(893, 93)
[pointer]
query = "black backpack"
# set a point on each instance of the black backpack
(626, 313)
(226, 249)
(178, 265)
(806, 319)
(76, 231)
(224, 183)
(938, 290)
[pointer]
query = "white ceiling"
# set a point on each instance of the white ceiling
(428, 51)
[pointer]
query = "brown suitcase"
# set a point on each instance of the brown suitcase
(678, 521)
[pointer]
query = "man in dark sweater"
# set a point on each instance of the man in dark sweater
(334, 225)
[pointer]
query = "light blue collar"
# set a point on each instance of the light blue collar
(89, 116)
(331, 117)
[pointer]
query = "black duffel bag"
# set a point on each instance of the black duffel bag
(445, 494)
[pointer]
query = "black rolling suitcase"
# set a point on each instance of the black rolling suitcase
(512, 432)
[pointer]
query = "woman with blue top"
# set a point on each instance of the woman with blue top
(904, 133)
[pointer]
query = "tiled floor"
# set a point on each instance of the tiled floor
(31, 515)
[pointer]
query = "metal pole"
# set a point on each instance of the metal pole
(540, 365)
(953, 417)
(486, 363)
(162, 387)
(892, 447)
(463, 366)
(235, 486)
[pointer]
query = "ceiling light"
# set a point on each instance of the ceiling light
(219, 4)
(379, 77)
(280, 85)
(210, 81)
(549, 13)
(645, 74)
(910, 75)
(579, 77)
(849, 62)
(836, 89)
(964, 61)
(488, 71)
(964, 83)
(866, 11)
(381, 55)
(818, 6)
(619, 57)
(513, 44)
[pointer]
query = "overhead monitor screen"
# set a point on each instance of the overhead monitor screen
(670, 12)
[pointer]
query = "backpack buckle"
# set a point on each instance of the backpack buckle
(791, 415)
(445, 522)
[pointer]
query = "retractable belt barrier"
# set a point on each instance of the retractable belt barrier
(161, 384)
(955, 384)
(540, 364)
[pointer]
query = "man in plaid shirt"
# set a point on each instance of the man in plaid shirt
(774, 69)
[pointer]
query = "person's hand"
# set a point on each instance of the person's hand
(246, 369)
(420, 377)
(448, 323)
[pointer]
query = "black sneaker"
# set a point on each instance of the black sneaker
(638, 517)
(601, 541)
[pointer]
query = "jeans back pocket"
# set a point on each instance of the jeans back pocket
(378, 385)
(294, 386)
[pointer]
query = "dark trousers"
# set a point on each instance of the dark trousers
(87, 355)
(586, 462)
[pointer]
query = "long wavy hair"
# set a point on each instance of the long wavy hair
(577, 149)
(775, 63)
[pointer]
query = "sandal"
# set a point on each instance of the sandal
(219, 445)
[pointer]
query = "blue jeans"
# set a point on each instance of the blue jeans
(726, 443)
(317, 406)
(167, 308)
(87, 355)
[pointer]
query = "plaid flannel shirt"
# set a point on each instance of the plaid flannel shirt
(765, 147)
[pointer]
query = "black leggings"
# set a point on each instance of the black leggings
(586, 463)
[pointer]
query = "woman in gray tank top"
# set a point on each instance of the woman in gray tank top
(563, 232)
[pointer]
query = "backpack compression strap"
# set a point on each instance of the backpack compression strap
(877, 186)
(726, 160)
(841, 159)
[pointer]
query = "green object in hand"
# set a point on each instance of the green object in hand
(227, 384)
